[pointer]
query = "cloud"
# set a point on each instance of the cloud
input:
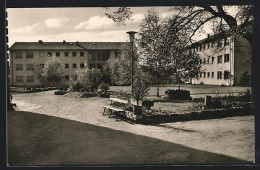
(56, 22)
(27, 29)
(137, 18)
(167, 14)
(96, 23)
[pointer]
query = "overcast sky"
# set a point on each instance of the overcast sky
(73, 24)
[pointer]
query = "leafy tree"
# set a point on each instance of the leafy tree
(52, 72)
(193, 18)
(119, 66)
(141, 84)
(90, 79)
(153, 48)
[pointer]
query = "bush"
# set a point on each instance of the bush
(64, 87)
(76, 87)
(104, 87)
(60, 92)
(246, 97)
(88, 94)
(178, 94)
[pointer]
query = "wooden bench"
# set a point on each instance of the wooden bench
(116, 107)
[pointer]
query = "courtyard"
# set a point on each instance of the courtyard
(46, 127)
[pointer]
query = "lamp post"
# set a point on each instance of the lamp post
(132, 36)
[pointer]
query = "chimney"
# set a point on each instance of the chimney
(64, 42)
(40, 41)
(208, 35)
(77, 42)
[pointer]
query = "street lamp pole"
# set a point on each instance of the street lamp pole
(131, 35)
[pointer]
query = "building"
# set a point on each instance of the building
(223, 58)
(74, 55)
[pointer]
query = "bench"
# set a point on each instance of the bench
(116, 107)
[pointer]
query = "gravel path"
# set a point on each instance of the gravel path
(232, 137)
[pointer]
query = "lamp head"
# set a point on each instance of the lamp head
(131, 35)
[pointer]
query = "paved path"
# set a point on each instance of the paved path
(233, 137)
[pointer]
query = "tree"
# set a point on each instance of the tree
(193, 18)
(90, 79)
(119, 66)
(152, 49)
(141, 84)
(52, 71)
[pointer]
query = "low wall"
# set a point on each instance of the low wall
(196, 115)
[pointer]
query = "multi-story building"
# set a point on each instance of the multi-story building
(223, 58)
(74, 55)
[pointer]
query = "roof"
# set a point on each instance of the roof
(66, 45)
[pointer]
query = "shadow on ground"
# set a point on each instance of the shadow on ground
(35, 139)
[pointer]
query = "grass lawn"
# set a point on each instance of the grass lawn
(195, 90)
(61, 130)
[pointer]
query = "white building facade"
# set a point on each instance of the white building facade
(223, 59)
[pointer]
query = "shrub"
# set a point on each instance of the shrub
(76, 87)
(104, 87)
(89, 79)
(88, 94)
(64, 87)
(60, 92)
(178, 94)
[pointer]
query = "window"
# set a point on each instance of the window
(74, 54)
(212, 74)
(105, 55)
(117, 53)
(41, 54)
(226, 74)
(66, 54)
(200, 61)
(204, 74)
(74, 65)
(81, 65)
(57, 54)
(219, 59)
(66, 65)
(208, 74)
(99, 66)
(208, 45)
(208, 61)
(49, 54)
(19, 67)
(19, 79)
(204, 46)
(212, 44)
(200, 74)
(200, 48)
(42, 65)
(18, 55)
(81, 54)
(30, 79)
(219, 75)
(226, 58)
(226, 42)
(92, 66)
(29, 67)
(75, 77)
(99, 55)
(204, 60)
(92, 56)
(212, 60)
(29, 54)
(67, 77)
(220, 43)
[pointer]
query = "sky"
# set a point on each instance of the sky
(88, 24)
(72, 24)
